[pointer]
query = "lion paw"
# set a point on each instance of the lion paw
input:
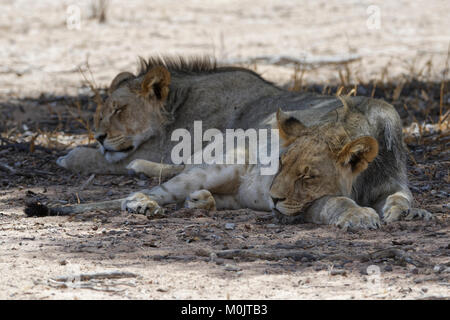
(396, 213)
(142, 204)
(80, 159)
(70, 160)
(359, 218)
(419, 214)
(137, 167)
(201, 199)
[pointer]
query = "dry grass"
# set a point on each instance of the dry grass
(99, 10)
(423, 102)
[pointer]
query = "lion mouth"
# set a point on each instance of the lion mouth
(286, 213)
(124, 150)
(297, 212)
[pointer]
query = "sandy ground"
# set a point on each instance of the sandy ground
(43, 48)
(187, 254)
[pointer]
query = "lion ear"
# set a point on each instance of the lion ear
(156, 82)
(120, 78)
(289, 127)
(358, 154)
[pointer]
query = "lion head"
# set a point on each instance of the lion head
(132, 113)
(319, 161)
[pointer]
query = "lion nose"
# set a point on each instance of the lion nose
(275, 200)
(100, 137)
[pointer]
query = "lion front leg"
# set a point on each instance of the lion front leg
(89, 160)
(153, 169)
(343, 212)
(190, 184)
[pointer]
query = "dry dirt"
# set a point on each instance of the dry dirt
(191, 253)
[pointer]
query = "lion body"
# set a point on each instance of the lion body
(356, 148)
(198, 90)
(376, 190)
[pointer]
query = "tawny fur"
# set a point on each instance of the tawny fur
(348, 171)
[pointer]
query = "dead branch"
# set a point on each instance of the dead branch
(100, 275)
(296, 255)
(88, 285)
(5, 167)
(87, 182)
(302, 255)
(397, 254)
(388, 253)
(30, 173)
(22, 146)
(430, 278)
(311, 61)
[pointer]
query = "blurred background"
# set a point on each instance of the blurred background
(45, 42)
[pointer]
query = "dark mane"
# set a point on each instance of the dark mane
(191, 65)
(178, 64)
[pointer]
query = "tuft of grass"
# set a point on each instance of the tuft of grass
(99, 10)
(297, 78)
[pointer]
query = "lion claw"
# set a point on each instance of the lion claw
(396, 213)
(359, 218)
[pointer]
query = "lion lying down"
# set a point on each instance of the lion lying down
(347, 169)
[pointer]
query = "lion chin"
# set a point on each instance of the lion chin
(287, 212)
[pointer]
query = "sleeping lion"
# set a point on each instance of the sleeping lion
(342, 163)
(142, 110)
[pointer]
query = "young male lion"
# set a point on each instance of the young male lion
(346, 167)
(141, 111)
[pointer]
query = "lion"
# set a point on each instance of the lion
(141, 111)
(344, 166)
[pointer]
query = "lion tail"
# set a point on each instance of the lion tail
(37, 209)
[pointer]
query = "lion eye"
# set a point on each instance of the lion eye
(119, 109)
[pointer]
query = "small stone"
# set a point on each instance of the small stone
(142, 183)
(337, 272)
(63, 262)
(319, 268)
(229, 226)
(388, 268)
(212, 256)
(230, 267)
(363, 271)
(437, 268)
(424, 290)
